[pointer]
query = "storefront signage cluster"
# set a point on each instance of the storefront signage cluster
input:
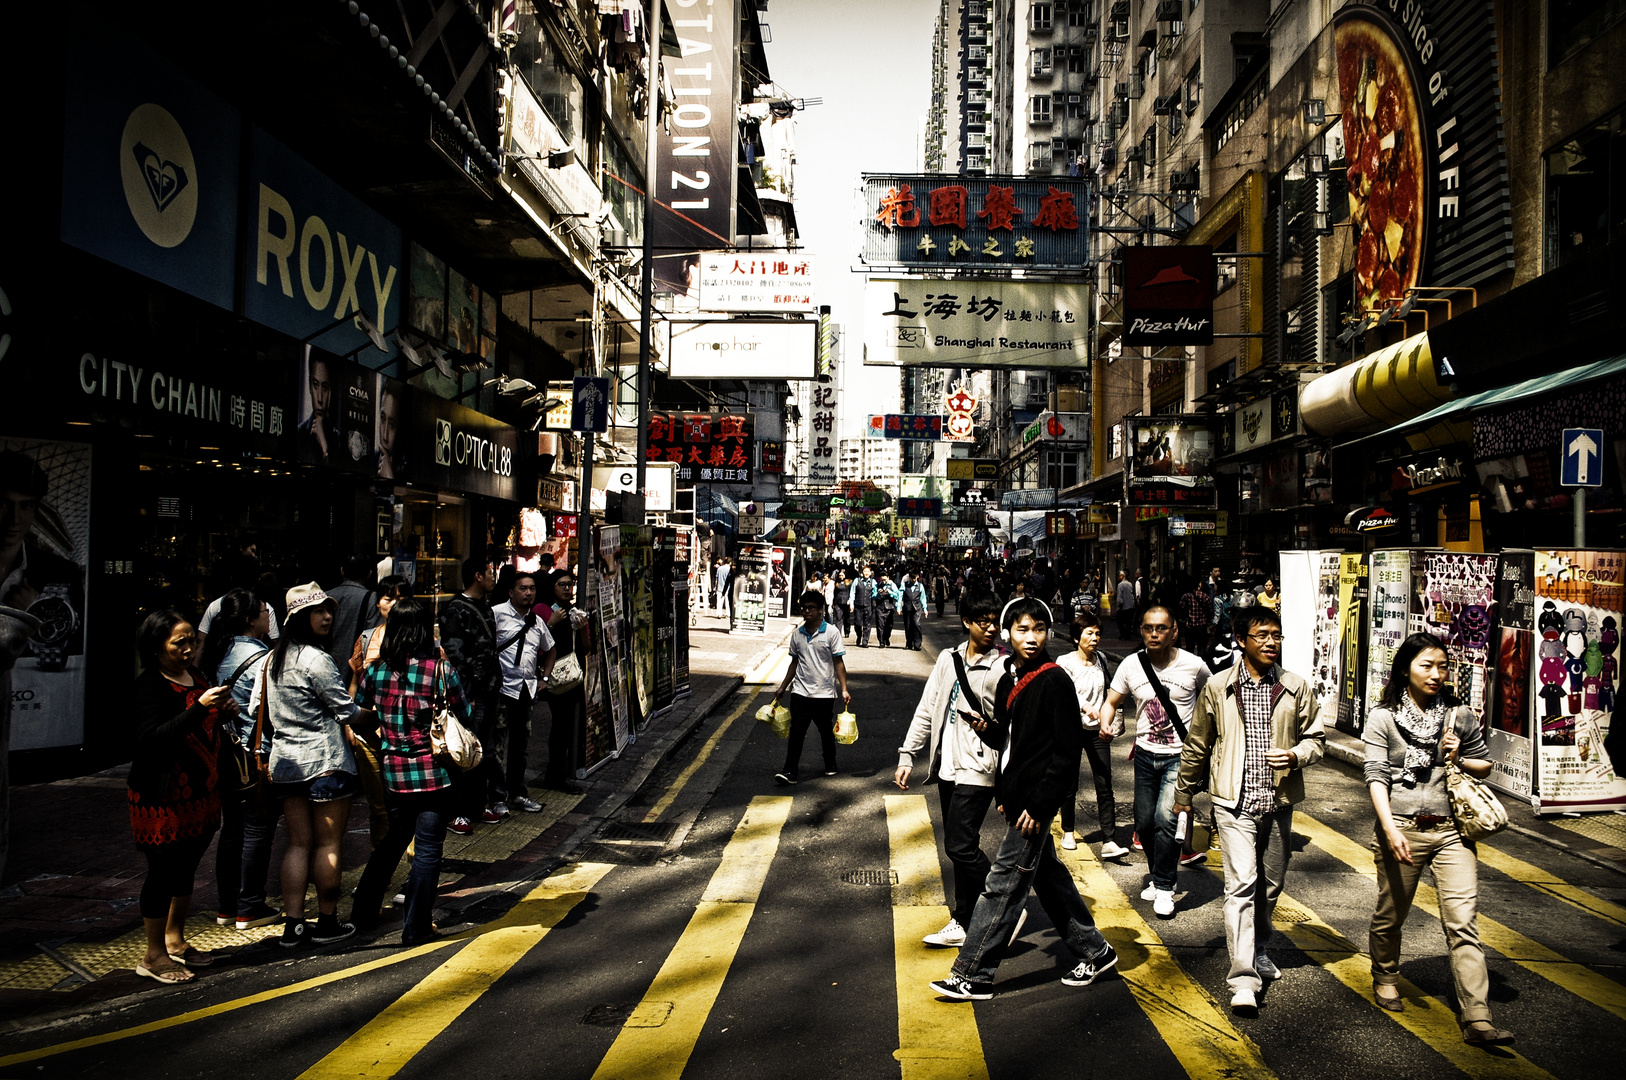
(955, 221)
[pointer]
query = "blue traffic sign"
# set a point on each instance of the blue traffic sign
(590, 404)
(1582, 451)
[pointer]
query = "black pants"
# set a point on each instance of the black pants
(1126, 623)
(819, 712)
(476, 788)
(863, 619)
(964, 807)
(838, 615)
(940, 602)
(1194, 639)
(512, 739)
(565, 713)
(911, 628)
(1106, 806)
(243, 856)
(884, 629)
(171, 869)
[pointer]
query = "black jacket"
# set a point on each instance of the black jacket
(160, 735)
(1046, 742)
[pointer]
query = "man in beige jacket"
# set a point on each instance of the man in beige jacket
(1252, 733)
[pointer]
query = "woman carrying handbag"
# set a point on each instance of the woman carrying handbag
(562, 679)
(1414, 737)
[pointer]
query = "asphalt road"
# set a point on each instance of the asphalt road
(710, 933)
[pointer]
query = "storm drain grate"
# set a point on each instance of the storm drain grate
(609, 1015)
(1287, 913)
(654, 832)
(870, 877)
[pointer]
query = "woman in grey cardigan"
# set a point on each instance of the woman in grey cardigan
(1410, 736)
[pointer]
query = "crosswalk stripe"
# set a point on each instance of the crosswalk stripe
(1577, 979)
(771, 671)
(661, 1034)
(1551, 884)
(700, 759)
(1191, 1023)
(395, 1036)
(937, 1040)
(1429, 1019)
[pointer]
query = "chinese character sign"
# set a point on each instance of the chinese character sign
(823, 434)
(943, 221)
(920, 508)
(961, 407)
(706, 449)
(773, 457)
(750, 281)
(920, 427)
(961, 322)
(1171, 461)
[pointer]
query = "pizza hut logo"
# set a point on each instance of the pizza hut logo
(1169, 295)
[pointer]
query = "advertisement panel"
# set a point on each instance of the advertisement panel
(706, 448)
(742, 348)
(1300, 591)
(804, 508)
(1576, 676)
(44, 552)
(1168, 295)
(1509, 733)
(684, 555)
(1170, 461)
(754, 281)
(663, 594)
(637, 573)
(1457, 594)
(1326, 656)
(934, 322)
(942, 222)
(781, 579)
(1391, 614)
(1352, 597)
(751, 589)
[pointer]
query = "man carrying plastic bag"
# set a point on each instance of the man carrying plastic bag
(816, 672)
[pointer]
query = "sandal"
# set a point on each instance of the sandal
(192, 957)
(1392, 1004)
(169, 976)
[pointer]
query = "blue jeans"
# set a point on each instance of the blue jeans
(1155, 775)
(419, 819)
(1023, 863)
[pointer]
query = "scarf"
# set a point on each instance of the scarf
(1422, 732)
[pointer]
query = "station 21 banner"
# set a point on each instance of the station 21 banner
(1576, 676)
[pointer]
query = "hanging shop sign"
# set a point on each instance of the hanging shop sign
(1059, 524)
(531, 136)
(756, 281)
(1422, 130)
(771, 457)
(742, 348)
(554, 494)
(557, 416)
(823, 426)
(1027, 498)
(1372, 519)
(972, 468)
(706, 448)
(1058, 427)
(804, 508)
(961, 407)
(590, 404)
(660, 483)
(1168, 295)
(917, 507)
(960, 536)
(1170, 461)
(1200, 523)
(937, 322)
(938, 222)
(875, 426)
(913, 426)
(459, 449)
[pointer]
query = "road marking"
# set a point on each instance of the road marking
(771, 671)
(1551, 884)
(1566, 974)
(1191, 1023)
(1428, 1018)
(395, 1036)
(686, 987)
(220, 1008)
(700, 759)
(937, 1040)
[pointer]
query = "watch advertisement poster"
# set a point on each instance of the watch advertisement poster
(44, 550)
(1352, 599)
(1575, 677)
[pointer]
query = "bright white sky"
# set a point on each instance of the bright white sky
(870, 60)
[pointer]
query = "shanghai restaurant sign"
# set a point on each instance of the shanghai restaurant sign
(938, 222)
(934, 322)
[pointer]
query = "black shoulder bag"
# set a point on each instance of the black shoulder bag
(1201, 833)
(991, 733)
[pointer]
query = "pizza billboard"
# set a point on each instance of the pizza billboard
(1169, 295)
(960, 322)
(1422, 135)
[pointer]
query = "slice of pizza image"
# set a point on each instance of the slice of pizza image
(1383, 144)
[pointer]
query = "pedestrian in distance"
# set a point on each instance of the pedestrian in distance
(913, 607)
(949, 725)
(567, 705)
(1123, 603)
(1414, 733)
(1253, 733)
(525, 649)
(888, 603)
(313, 769)
(174, 786)
(1163, 682)
(399, 694)
(862, 599)
(370, 643)
(1036, 726)
(468, 633)
(234, 653)
(817, 675)
(841, 607)
(354, 612)
(1088, 671)
(1196, 613)
(1269, 597)
(940, 589)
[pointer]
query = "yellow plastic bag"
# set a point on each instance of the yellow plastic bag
(776, 716)
(846, 728)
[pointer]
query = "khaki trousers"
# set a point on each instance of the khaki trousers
(1254, 852)
(1456, 878)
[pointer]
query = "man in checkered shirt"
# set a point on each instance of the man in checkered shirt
(1252, 734)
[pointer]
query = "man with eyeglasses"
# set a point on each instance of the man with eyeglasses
(1253, 733)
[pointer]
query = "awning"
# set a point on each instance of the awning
(1392, 385)
(1475, 404)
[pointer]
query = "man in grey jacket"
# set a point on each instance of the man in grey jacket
(947, 725)
(1252, 734)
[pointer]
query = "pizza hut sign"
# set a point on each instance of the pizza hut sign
(1169, 296)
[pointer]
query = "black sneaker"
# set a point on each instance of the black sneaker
(1089, 971)
(783, 779)
(263, 914)
(329, 929)
(295, 932)
(957, 988)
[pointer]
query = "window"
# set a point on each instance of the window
(1061, 468)
(627, 204)
(1039, 63)
(1225, 264)
(1337, 300)
(1573, 24)
(1039, 156)
(550, 77)
(1039, 109)
(978, 52)
(1148, 145)
(1039, 16)
(1194, 89)
(1586, 193)
(1077, 62)
(1239, 112)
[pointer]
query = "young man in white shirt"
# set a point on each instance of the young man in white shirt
(817, 673)
(1158, 740)
(1089, 674)
(947, 725)
(524, 647)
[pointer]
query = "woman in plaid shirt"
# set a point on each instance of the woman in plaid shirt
(400, 688)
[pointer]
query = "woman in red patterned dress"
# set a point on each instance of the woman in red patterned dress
(174, 787)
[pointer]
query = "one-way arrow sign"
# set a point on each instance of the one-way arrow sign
(1581, 449)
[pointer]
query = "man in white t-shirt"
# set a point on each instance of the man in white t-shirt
(816, 674)
(1158, 741)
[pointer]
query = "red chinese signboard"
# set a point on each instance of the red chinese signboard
(944, 221)
(707, 449)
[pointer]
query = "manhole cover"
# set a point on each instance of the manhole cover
(623, 854)
(609, 1015)
(633, 1014)
(652, 832)
(870, 877)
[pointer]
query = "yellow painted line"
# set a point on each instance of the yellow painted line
(395, 1036)
(1556, 968)
(1429, 1019)
(224, 1007)
(700, 759)
(1551, 884)
(771, 671)
(937, 1040)
(1196, 1029)
(657, 1042)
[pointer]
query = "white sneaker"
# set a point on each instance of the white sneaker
(951, 936)
(1163, 903)
(1150, 892)
(1069, 841)
(1266, 968)
(1113, 850)
(1243, 1003)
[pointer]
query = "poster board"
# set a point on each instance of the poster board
(1352, 595)
(751, 589)
(1299, 593)
(1326, 655)
(1393, 613)
(1508, 732)
(637, 570)
(1457, 592)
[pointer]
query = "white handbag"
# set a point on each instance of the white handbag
(448, 738)
(566, 675)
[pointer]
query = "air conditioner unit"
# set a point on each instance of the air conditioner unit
(1073, 99)
(1109, 156)
(1091, 32)
(1135, 153)
(1165, 104)
(1058, 145)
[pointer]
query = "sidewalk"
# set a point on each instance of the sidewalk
(69, 917)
